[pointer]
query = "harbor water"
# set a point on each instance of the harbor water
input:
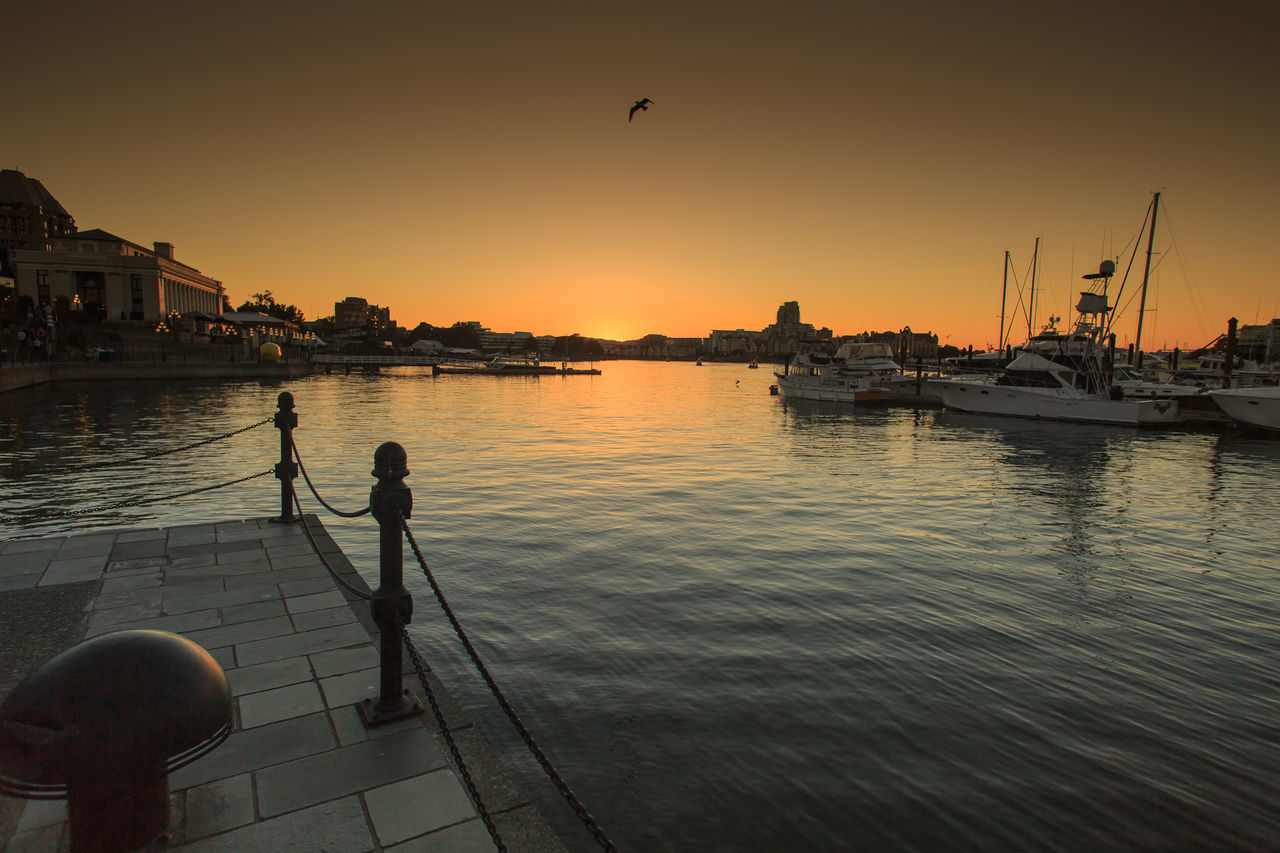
(738, 623)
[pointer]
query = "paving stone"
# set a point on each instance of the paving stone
(310, 559)
(124, 614)
(265, 676)
(340, 661)
(412, 807)
(324, 618)
(250, 612)
(351, 688)
(24, 563)
(315, 601)
(141, 563)
(146, 535)
(29, 546)
(281, 577)
(245, 632)
(291, 549)
(469, 837)
(73, 570)
(225, 656)
(186, 624)
(194, 561)
(280, 703)
(43, 840)
(309, 586)
(17, 582)
(291, 645)
(254, 749)
(349, 769)
(177, 603)
(112, 585)
(40, 813)
(91, 545)
(137, 550)
(336, 827)
(218, 806)
(348, 725)
(128, 598)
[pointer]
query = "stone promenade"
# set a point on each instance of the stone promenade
(300, 772)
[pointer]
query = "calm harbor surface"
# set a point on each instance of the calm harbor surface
(738, 623)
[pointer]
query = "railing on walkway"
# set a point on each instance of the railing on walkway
(391, 505)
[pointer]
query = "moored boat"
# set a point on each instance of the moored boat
(859, 371)
(1257, 406)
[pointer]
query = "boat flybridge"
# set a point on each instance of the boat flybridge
(1059, 376)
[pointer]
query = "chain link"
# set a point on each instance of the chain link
(91, 466)
(472, 791)
(563, 787)
(360, 593)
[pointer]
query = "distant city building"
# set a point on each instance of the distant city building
(116, 279)
(787, 335)
(29, 214)
(505, 341)
(1260, 343)
(356, 313)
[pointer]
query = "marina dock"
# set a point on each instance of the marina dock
(300, 770)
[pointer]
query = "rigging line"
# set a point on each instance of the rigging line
(315, 547)
(303, 469)
(514, 718)
(1200, 307)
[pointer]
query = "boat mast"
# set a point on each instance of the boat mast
(1004, 295)
(1146, 276)
(1031, 313)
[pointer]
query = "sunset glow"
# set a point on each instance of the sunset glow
(475, 161)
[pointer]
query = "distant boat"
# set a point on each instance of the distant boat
(859, 371)
(1257, 406)
(699, 364)
(754, 365)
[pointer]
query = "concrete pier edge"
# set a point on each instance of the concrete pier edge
(213, 582)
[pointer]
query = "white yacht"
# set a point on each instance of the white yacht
(1257, 406)
(1059, 376)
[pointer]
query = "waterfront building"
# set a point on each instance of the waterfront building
(504, 341)
(1260, 343)
(114, 278)
(787, 335)
(357, 313)
(29, 214)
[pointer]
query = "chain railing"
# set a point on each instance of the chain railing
(391, 504)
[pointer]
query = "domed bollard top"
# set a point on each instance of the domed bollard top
(104, 723)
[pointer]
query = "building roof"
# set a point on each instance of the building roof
(107, 237)
(253, 318)
(17, 188)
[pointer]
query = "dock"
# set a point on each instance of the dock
(300, 771)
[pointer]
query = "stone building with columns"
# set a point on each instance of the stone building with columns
(113, 278)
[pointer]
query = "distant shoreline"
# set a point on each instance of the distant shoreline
(22, 376)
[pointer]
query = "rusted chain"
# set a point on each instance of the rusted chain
(303, 469)
(472, 790)
(561, 785)
(315, 547)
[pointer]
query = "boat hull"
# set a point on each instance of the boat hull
(1257, 406)
(1052, 404)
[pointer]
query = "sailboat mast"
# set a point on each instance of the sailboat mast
(1004, 296)
(1031, 313)
(1146, 276)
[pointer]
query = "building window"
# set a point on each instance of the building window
(42, 285)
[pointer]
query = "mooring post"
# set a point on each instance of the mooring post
(1229, 357)
(286, 469)
(390, 500)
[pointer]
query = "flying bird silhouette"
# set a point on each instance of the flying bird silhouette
(642, 104)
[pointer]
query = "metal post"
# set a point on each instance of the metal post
(1229, 357)
(286, 469)
(390, 500)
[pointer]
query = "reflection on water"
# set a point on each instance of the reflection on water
(738, 622)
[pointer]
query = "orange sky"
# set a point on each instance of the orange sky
(473, 161)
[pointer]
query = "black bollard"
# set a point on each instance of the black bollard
(286, 469)
(390, 500)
